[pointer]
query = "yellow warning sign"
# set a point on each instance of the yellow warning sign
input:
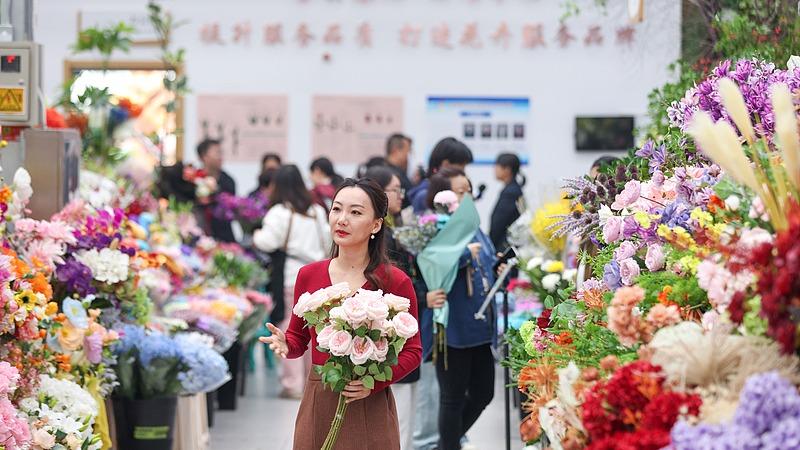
(12, 100)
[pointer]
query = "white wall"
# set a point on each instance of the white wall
(561, 83)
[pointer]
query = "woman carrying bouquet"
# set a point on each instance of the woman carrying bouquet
(405, 390)
(295, 232)
(465, 367)
(359, 259)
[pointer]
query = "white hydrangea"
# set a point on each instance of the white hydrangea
(107, 265)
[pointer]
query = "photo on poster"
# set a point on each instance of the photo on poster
(469, 130)
(519, 131)
(486, 131)
(502, 131)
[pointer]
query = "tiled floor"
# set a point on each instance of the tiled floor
(265, 422)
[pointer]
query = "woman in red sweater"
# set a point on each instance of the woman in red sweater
(360, 259)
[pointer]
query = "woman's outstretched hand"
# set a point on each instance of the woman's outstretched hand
(355, 390)
(277, 342)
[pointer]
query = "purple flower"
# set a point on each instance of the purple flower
(76, 277)
(656, 155)
(675, 214)
(630, 227)
(611, 276)
(766, 399)
(754, 78)
(784, 434)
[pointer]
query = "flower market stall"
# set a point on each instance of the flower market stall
(683, 332)
(115, 312)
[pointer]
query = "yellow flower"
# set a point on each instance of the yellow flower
(26, 299)
(546, 216)
(704, 218)
(52, 309)
(643, 219)
(690, 263)
(554, 266)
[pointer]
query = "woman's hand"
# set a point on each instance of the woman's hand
(474, 248)
(436, 299)
(355, 390)
(277, 342)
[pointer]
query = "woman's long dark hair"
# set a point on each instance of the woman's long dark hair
(290, 188)
(326, 166)
(512, 162)
(378, 256)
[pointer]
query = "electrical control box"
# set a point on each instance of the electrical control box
(52, 157)
(20, 72)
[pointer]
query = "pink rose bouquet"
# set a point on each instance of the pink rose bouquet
(363, 333)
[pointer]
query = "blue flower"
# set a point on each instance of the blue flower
(611, 276)
(207, 369)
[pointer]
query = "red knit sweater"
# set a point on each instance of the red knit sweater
(316, 276)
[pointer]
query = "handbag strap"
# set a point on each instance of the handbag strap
(288, 231)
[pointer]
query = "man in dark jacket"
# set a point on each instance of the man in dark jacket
(398, 150)
(210, 153)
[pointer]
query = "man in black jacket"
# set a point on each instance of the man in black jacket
(210, 153)
(398, 150)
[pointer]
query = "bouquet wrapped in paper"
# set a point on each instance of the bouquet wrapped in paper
(363, 333)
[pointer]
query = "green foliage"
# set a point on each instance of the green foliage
(174, 82)
(105, 40)
(604, 256)
(659, 100)
(239, 272)
(684, 290)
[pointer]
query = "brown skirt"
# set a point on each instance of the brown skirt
(369, 424)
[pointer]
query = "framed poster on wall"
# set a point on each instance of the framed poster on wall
(248, 125)
(488, 125)
(351, 129)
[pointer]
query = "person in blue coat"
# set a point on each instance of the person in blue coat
(465, 367)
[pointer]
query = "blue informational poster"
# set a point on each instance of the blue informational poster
(488, 125)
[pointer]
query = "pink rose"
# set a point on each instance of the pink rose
(447, 198)
(381, 349)
(339, 290)
(310, 302)
(628, 270)
(377, 310)
(628, 196)
(356, 311)
(405, 325)
(654, 260)
(337, 313)
(324, 336)
(362, 350)
(340, 343)
(612, 230)
(43, 439)
(625, 250)
(397, 303)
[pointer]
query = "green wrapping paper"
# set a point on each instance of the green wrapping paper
(438, 262)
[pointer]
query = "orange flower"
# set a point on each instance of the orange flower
(5, 194)
(563, 338)
(40, 284)
(715, 202)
